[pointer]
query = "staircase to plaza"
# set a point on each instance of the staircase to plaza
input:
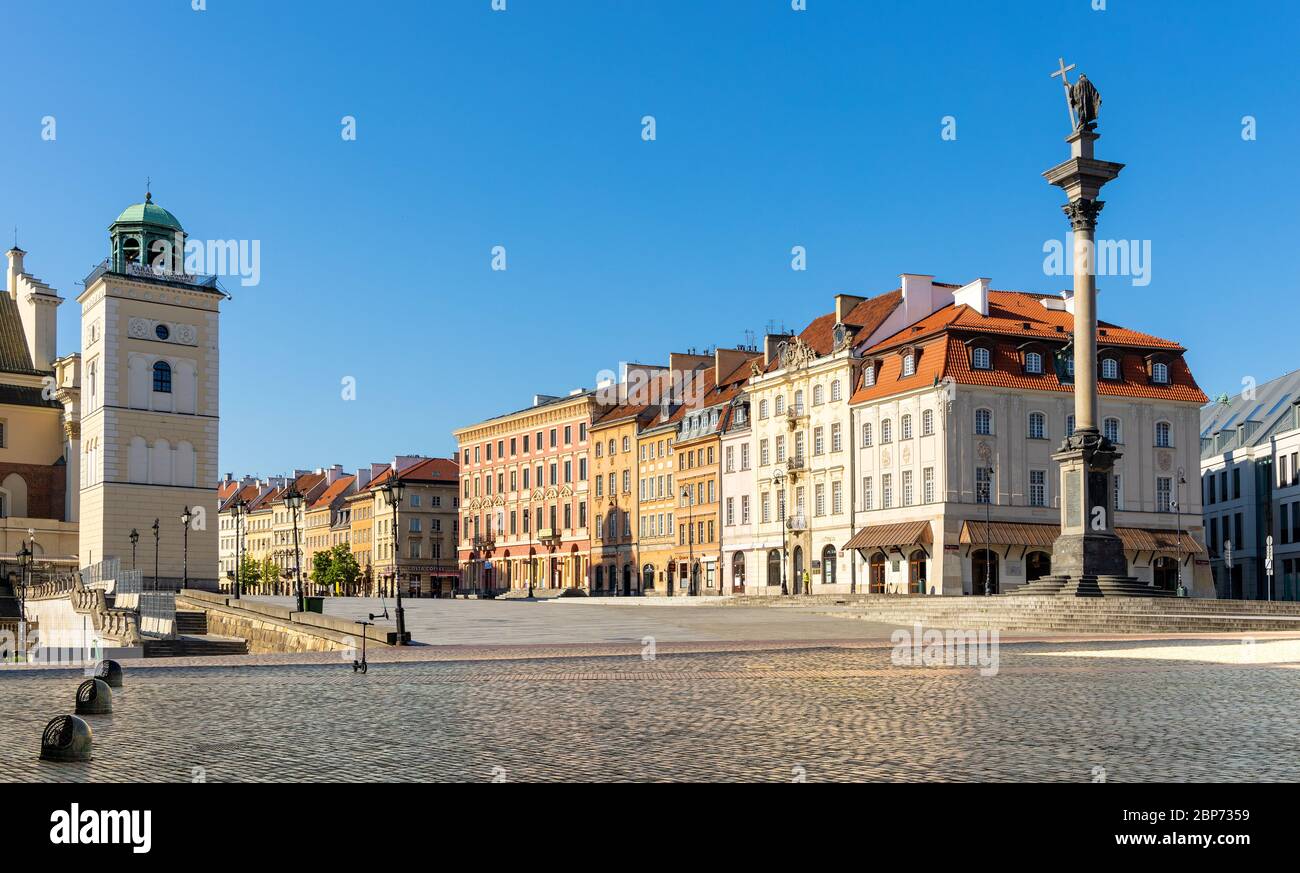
(193, 641)
(1118, 615)
(541, 593)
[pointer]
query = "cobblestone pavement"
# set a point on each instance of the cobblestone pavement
(777, 712)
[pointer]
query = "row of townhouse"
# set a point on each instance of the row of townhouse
(412, 544)
(900, 443)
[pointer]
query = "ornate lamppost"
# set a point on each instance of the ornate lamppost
(1178, 528)
(156, 530)
(186, 518)
(293, 502)
(778, 479)
(134, 538)
(237, 510)
(25, 558)
(393, 490)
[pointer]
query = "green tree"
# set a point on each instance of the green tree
(249, 574)
(344, 569)
(269, 573)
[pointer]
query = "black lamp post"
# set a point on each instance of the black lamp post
(689, 497)
(156, 530)
(186, 518)
(1178, 529)
(134, 538)
(393, 490)
(237, 510)
(778, 479)
(25, 558)
(293, 502)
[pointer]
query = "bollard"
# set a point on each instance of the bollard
(66, 738)
(110, 672)
(94, 698)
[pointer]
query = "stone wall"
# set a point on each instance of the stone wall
(270, 629)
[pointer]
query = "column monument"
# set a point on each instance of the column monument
(1087, 557)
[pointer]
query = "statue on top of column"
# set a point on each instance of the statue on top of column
(1085, 100)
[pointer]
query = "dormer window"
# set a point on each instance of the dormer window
(868, 376)
(1033, 363)
(1109, 368)
(909, 364)
(1160, 373)
(981, 359)
(1069, 366)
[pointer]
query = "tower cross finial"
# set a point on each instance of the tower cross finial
(1065, 83)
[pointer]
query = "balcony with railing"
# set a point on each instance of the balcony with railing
(136, 270)
(797, 523)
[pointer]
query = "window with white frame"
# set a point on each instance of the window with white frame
(765, 507)
(1033, 362)
(905, 424)
(980, 358)
(837, 497)
(927, 485)
(1037, 426)
(927, 422)
(731, 518)
(836, 438)
(1109, 368)
(819, 441)
(1119, 492)
(868, 376)
(1160, 373)
(1069, 425)
(780, 449)
(886, 491)
(819, 499)
(1037, 487)
(984, 422)
(1164, 494)
(983, 484)
(763, 458)
(886, 431)
(744, 509)
(780, 404)
(907, 488)
(867, 497)
(762, 409)
(835, 390)
(1163, 431)
(866, 434)
(909, 364)
(819, 395)
(1110, 428)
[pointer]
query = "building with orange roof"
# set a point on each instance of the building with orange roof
(956, 417)
(422, 556)
(319, 517)
(804, 471)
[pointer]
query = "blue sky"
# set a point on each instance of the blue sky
(522, 128)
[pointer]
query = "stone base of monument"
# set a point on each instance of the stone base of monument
(1089, 586)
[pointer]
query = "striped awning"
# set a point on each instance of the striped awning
(883, 536)
(1135, 539)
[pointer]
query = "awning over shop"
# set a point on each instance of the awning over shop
(1135, 539)
(887, 536)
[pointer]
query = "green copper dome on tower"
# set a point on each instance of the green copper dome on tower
(148, 212)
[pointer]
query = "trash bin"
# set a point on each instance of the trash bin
(315, 604)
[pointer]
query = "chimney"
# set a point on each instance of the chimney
(975, 295)
(921, 296)
(376, 470)
(844, 304)
(363, 477)
(770, 342)
(726, 361)
(15, 255)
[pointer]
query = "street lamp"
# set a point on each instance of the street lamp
(293, 502)
(156, 530)
(237, 510)
(186, 518)
(1178, 528)
(134, 538)
(393, 490)
(691, 581)
(986, 455)
(25, 558)
(778, 479)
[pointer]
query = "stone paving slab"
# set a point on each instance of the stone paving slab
(782, 712)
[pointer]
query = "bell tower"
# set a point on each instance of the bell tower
(150, 403)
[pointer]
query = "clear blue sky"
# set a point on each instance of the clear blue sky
(775, 128)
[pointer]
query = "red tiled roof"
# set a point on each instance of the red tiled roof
(866, 316)
(426, 470)
(247, 493)
(941, 342)
(330, 494)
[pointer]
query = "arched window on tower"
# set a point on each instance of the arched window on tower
(162, 377)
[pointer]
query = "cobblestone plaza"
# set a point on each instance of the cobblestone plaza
(817, 709)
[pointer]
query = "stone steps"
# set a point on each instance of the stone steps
(195, 647)
(191, 622)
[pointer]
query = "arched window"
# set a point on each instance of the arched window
(1037, 426)
(819, 395)
(828, 566)
(886, 431)
(927, 422)
(1110, 428)
(984, 422)
(866, 434)
(131, 249)
(774, 568)
(868, 376)
(981, 359)
(1109, 368)
(906, 425)
(916, 572)
(162, 377)
(909, 364)
(1160, 373)
(1163, 432)
(835, 390)
(762, 409)
(780, 404)
(738, 570)
(1033, 362)
(612, 448)
(798, 403)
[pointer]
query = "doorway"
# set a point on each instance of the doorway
(984, 572)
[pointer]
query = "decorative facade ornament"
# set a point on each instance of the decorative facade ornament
(148, 328)
(755, 370)
(796, 354)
